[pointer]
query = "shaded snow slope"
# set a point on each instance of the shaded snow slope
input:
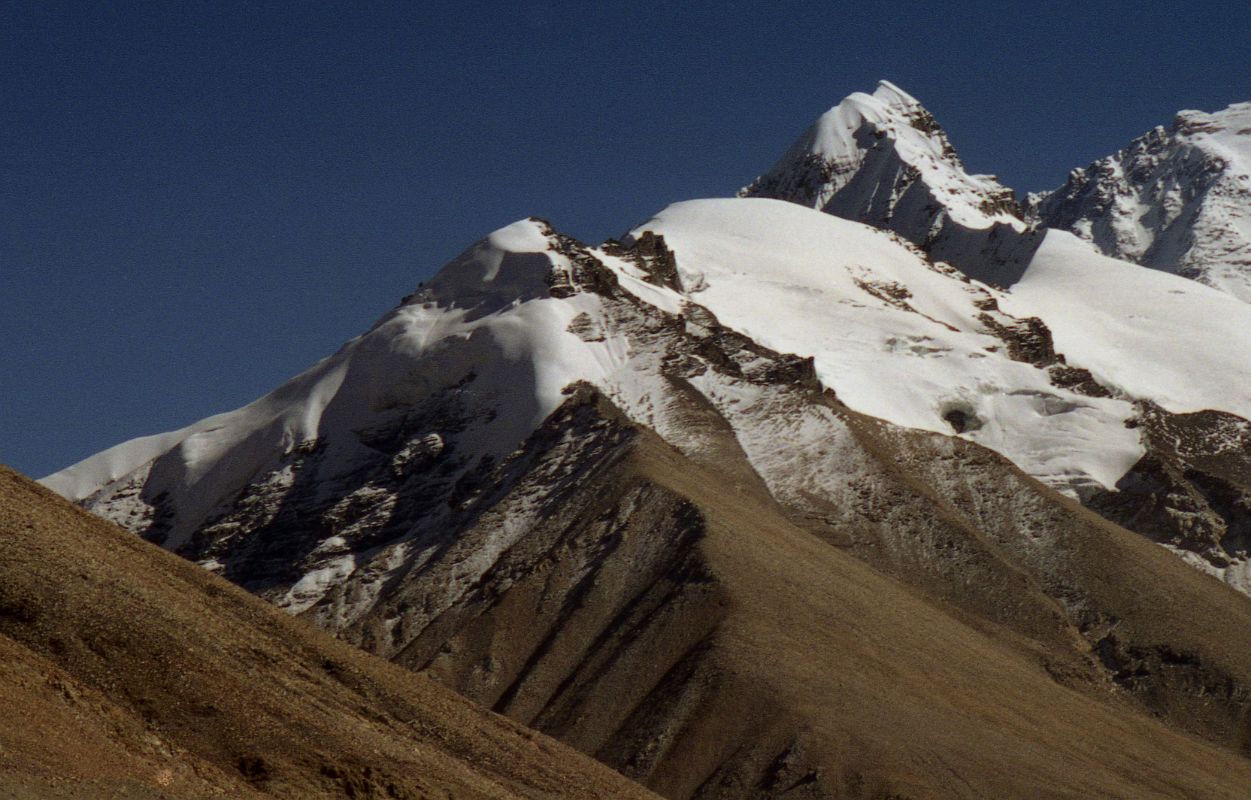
(1176, 199)
(486, 324)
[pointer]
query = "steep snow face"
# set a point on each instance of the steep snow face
(1176, 199)
(894, 335)
(486, 329)
(1151, 335)
(882, 159)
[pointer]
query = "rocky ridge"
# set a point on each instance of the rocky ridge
(1175, 199)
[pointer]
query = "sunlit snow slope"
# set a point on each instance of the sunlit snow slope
(1152, 335)
(893, 335)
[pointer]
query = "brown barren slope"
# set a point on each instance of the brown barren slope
(891, 697)
(693, 636)
(128, 672)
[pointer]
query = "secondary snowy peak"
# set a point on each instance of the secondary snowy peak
(488, 333)
(1176, 199)
(516, 262)
(884, 160)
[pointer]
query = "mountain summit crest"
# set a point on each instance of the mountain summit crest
(883, 159)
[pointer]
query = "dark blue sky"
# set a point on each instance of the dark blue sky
(197, 201)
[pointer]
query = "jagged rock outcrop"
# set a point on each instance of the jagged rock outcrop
(1191, 491)
(1177, 199)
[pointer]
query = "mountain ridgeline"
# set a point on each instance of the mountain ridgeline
(862, 484)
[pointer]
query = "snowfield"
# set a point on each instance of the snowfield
(1153, 335)
(892, 335)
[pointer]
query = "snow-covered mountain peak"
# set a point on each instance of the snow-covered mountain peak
(883, 159)
(1177, 199)
(718, 316)
(553, 474)
(516, 263)
(893, 96)
(490, 344)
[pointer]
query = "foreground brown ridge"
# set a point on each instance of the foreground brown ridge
(126, 672)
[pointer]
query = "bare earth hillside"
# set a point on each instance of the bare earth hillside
(126, 672)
